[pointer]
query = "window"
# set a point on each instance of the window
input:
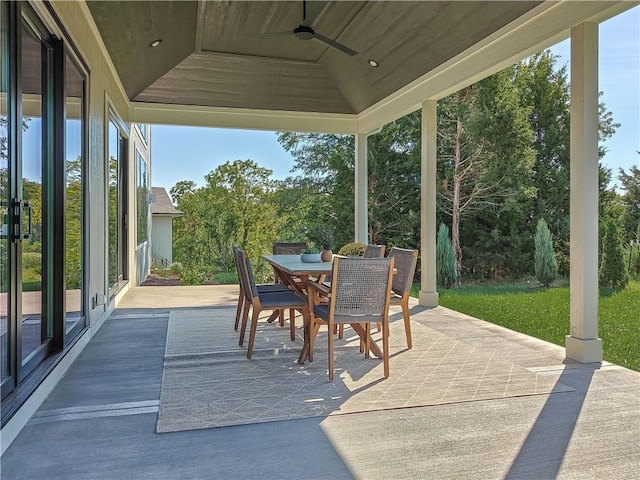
(143, 128)
(116, 202)
(142, 205)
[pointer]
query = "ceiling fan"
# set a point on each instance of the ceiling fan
(304, 31)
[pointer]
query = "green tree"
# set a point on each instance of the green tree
(546, 266)
(73, 224)
(613, 269)
(631, 201)
(326, 164)
(544, 88)
(235, 207)
(445, 258)
(325, 182)
(484, 163)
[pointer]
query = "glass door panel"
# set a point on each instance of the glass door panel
(32, 329)
(74, 99)
(114, 204)
(4, 199)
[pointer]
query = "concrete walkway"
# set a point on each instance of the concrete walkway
(100, 420)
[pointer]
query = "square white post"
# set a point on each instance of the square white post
(361, 193)
(428, 156)
(583, 343)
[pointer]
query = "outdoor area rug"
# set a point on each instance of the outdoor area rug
(208, 381)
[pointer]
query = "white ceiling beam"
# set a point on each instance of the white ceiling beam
(246, 119)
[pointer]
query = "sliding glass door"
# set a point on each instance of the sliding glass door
(42, 150)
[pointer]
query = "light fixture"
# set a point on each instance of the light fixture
(373, 63)
(155, 43)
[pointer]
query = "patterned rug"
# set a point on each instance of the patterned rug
(208, 381)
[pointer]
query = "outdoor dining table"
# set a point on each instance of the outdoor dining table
(291, 267)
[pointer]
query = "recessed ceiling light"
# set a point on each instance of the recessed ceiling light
(373, 63)
(155, 43)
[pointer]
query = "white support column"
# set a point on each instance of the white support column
(583, 343)
(428, 156)
(361, 193)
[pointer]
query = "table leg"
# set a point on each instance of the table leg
(362, 332)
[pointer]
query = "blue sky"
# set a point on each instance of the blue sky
(189, 153)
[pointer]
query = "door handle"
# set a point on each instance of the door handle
(29, 208)
(17, 208)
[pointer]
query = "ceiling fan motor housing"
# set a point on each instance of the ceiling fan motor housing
(303, 32)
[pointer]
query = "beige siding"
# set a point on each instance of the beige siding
(162, 236)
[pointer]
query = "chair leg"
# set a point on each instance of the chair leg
(292, 324)
(330, 348)
(252, 332)
(407, 324)
(281, 316)
(385, 347)
(341, 331)
(367, 345)
(315, 327)
(245, 316)
(239, 310)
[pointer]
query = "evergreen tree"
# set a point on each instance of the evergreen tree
(630, 183)
(613, 269)
(545, 260)
(445, 258)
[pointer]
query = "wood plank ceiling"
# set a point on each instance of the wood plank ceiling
(209, 55)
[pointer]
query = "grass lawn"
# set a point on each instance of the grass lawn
(544, 313)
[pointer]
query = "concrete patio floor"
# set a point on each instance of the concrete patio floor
(100, 420)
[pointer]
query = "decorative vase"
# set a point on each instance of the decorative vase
(326, 255)
(310, 257)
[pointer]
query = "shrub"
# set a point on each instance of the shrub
(613, 269)
(225, 278)
(445, 259)
(32, 261)
(353, 249)
(546, 265)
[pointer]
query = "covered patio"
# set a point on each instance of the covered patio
(91, 412)
(107, 407)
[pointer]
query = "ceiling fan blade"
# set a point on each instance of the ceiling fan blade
(334, 44)
(267, 34)
(312, 10)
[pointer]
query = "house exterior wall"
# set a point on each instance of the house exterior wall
(104, 90)
(162, 236)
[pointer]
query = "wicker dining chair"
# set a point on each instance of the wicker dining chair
(262, 288)
(370, 251)
(374, 251)
(360, 294)
(288, 248)
(405, 261)
(258, 302)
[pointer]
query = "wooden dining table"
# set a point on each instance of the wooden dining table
(295, 273)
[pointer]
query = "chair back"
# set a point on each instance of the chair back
(250, 288)
(241, 264)
(361, 288)
(405, 262)
(291, 248)
(374, 251)
(237, 257)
